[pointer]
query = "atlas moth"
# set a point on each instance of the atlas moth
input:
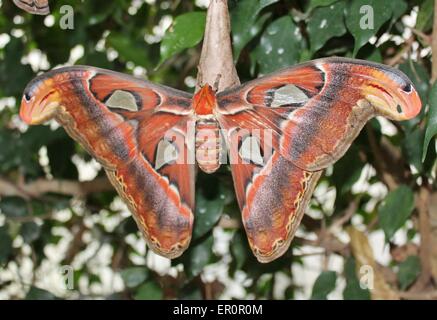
(141, 134)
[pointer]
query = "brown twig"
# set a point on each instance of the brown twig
(39, 187)
(427, 39)
(347, 215)
(229, 223)
(398, 57)
(422, 204)
(425, 295)
(76, 244)
(32, 218)
(327, 242)
(216, 58)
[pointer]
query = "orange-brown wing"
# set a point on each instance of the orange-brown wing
(284, 128)
(34, 6)
(138, 132)
(273, 195)
(315, 110)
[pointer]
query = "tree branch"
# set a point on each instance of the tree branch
(216, 59)
(39, 187)
(398, 57)
(422, 204)
(425, 295)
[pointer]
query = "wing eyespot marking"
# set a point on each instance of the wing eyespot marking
(121, 99)
(250, 151)
(166, 153)
(407, 88)
(288, 95)
(283, 95)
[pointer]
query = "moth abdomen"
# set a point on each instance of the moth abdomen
(208, 145)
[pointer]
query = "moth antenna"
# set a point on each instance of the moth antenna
(217, 82)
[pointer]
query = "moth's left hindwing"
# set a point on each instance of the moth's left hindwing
(34, 6)
(137, 131)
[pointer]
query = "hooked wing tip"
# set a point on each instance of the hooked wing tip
(413, 105)
(39, 103)
(25, 115)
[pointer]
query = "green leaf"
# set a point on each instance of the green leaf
(149, 291)
(375, 56)
(347, 170)
(239, 249)
(323, 285)
(60, 153)
(359, 21)
(128, 49)
(22, 150)
(319, 3)
(431, 124)
(352, 290)
(37, 136)
(264, 285)
(134, 276)
(280, 45)
(9, 145)
(197, 257)
(395, 210)
(5, 245)
(326, 23)
(39, 294)
(245, 22)
(13, 74)
(208, 212)
(191, 291)
(413, 149)
(408, 272)
(13, 207)
(200, 256)
(30, 231)
(425, 15)
(399, 8)
(186, 32)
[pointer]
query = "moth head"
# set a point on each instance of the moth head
(40, 101)
(204, 101)
(391, 93)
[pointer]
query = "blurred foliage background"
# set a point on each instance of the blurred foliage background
(376, 208)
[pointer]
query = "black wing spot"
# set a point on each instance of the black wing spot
(407, 88)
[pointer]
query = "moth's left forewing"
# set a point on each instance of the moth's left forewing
(123, 122)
